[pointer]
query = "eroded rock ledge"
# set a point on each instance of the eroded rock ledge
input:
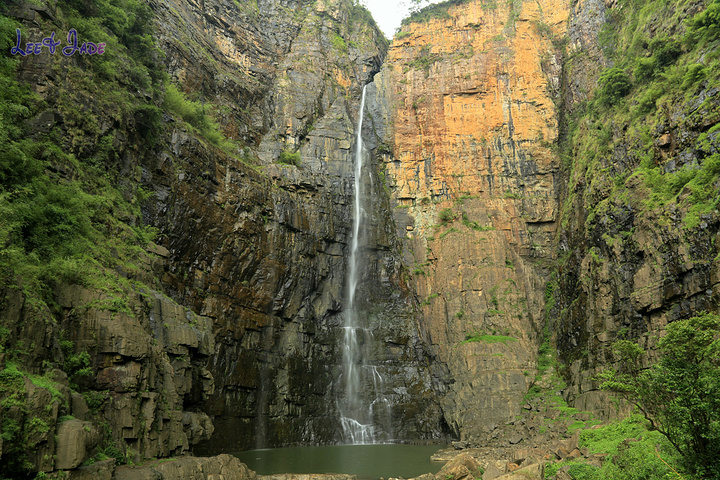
(221, 467)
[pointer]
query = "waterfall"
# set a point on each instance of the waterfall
(364, 411)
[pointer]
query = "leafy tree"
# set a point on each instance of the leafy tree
(678, 394)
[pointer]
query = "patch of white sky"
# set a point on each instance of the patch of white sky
(389, 13)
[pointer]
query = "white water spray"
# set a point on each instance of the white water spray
(363, 405)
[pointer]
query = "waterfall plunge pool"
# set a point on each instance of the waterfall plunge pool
(368, 462)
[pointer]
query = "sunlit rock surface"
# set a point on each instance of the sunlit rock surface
(465, 111)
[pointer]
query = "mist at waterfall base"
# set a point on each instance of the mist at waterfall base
(369, 462)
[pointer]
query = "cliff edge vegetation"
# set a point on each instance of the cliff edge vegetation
(77, 258)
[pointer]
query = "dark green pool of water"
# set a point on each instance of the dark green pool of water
(365, 461)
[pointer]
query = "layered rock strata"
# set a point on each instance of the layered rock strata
(464, 116)
(228, 332)
(269, 267)
(631, 264)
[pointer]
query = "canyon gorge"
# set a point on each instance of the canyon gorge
(183, 228)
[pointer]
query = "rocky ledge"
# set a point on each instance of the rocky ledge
(221, 467)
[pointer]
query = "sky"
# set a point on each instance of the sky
(388, 13)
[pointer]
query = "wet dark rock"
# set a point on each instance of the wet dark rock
(311, 476)
(102, 470)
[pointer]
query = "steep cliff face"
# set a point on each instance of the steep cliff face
(272, 69)
(638, 238)
(269, 267)
(524, 152)
(95, 357)
(231, 322)
(500, 123)
(465, 119)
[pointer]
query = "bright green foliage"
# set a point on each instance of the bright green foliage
(67, 213)
(480, 337)
(62, 227)
(614, 85)
(288, 157)
(679, 393)
(634, 453)
(193, 113)
(695, 74)
(20, 425)
(645, 69)
(446, 215)
(338, 43)
(613, 137)
(361, 16)
(76, 365)
(664, 52)
(705, 26)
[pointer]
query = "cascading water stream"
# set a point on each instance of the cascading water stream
(363, 398)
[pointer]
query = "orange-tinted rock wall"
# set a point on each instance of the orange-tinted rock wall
(473, 178)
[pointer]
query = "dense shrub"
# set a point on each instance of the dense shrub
(665, 50)
(614, 86)
(446, 215)
(193, 113)
(288, 157)
(645, 68)
(705, 26)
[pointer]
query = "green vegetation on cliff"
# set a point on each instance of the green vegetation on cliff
(195, 114)
(70, 203)
(641, 153)
(71, 200)
(63, 212)
(642, 158)
(486, 338)
(288, 157)
(661, 80)
(678, 394)
(67, 215)
(437, 10)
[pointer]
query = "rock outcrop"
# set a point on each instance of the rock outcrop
(225, 467)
